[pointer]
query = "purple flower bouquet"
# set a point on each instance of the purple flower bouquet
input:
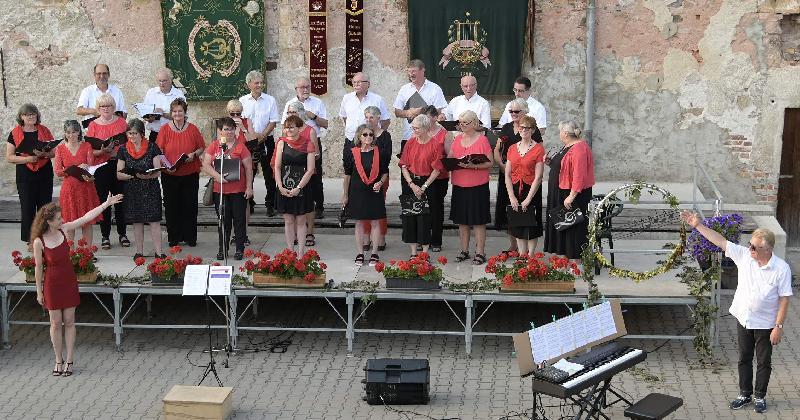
(728, 225)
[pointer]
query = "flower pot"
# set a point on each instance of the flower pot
(415, 283)
(166, 281)
(271, 280)
(30, 278)
(540, 287)
(87, 278)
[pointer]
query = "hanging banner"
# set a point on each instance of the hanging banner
(354, 39)
(318, 47)
(210, 47)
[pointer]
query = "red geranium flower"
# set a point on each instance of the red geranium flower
(379, 267)
(139, 261)
(175, 250)
(442, 260)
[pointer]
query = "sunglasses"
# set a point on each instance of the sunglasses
(235, 114)
(754, 248)
(514, 111)
(525, 127)
(367, 135)
(465, 122)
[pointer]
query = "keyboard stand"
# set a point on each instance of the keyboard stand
(592, 400)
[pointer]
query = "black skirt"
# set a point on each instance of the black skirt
(470, 205)
(500, 216)
(528, 232)
(568, 242)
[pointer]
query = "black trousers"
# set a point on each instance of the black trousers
(34, 193)
(439, 191)
(180, 207)
(235, 206)
(269, 176)
(317, 186)
(750, 341)
(105, 181)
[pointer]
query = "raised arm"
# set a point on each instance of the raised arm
(693, 220)
(91, 214)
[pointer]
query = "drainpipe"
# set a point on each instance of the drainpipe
(588, 103)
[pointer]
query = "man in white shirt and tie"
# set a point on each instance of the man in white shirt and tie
(471, 101)
(522, 89)
(353, 106)
(89, 94)
(317, 118)
(429, 91)
(161, 96)
(262, 112)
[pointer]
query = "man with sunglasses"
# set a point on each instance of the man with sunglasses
(262, 111)
(522, 89)
(759, 305)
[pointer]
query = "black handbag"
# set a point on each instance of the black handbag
(410, 205)
(564, 219)
(343, 216)
(521, 218)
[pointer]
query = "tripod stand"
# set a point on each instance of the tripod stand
(211, 367)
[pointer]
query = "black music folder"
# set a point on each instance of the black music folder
(29, 145)
(168, 166)
(521, 218)
(449, 125)
(415, 101)
(231, 169)
(98, 144)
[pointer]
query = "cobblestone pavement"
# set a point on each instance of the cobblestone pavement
(315, 378)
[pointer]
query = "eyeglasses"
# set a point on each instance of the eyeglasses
(358, 82)
(519, 90)
(525, 127)
(31, 114)
(754, 248)
(367, 135)
(465, 122)
(235, 114)
(226, 128)
(304, 87)
(134, 133)
(514, 111)
(104, 106)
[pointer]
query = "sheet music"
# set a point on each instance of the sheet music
(581, 330)
(566, 329)
(567, 334)
(195, 280)
(538, 345)
(605, 318)
(93, 169)
(219, 280)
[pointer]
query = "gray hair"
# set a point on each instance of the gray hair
(417, 63)
(570, 128)
(253, 74)
(361, 128)
(373, 110)
(520, 103)
(423, 121)
(28, 109)
(136, 125)
(766, 235)
(73, 126)
(298, 107)
(166, 71)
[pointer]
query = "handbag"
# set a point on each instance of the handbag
(410, 205)
(208, 194)
(343, 216)
(521, 218)
(564, 219)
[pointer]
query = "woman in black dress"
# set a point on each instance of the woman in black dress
(366, 169)
(294, 166)
(569, 186)
(383, 141)
(143, 192)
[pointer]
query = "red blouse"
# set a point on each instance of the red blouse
(173, 144)
(103, 132)
(523, 168)
(422, 159)
(577, 168)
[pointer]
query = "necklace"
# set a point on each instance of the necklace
(182, 127)
(528, 148)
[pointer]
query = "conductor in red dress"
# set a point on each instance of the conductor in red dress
(57, 289)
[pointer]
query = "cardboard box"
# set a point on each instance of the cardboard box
(198, 402)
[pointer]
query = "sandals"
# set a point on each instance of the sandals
(479, 259)
(374, 259)
(247, 241)
(463, 256)
(124, 241)
(359, 260)
(382, 247)
(310, 239)
(367, 247)
(105, 243)
(67, 370)
(57, 371)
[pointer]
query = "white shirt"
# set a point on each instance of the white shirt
(476, 104)
(89, 94)
(161, 100)
(312, 104)
(260, 112)
(535, 110)
(755, 303)
(353, 110)
(430, 92)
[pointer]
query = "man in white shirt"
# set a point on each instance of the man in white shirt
(262, 111)
(161, 96)
(759, 305)
(89, 94)
(317, 118)
(471, 101)
(353, 106)
(522, 89)
(429, 91)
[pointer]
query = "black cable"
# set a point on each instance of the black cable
(405, 413)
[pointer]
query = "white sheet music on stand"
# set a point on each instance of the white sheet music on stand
(572, 332)
(219, 280)
(195, 280)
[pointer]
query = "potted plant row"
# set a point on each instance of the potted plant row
(416, 273)
(169, 271)
(285, 269)
(81, 257)
(533, 273)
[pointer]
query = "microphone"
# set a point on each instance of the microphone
(223, 143)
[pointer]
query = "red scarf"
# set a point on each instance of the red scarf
(130, 147)
(373, 172)
(42, 133)
(303, 144)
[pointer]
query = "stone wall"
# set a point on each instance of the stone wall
(676, 80)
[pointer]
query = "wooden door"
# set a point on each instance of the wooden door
(788, 212)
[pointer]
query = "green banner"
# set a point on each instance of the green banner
(478, 37)
(211, 45)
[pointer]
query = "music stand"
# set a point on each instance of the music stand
(211, 367)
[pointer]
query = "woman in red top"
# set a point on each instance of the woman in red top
(78, 195)
(234, 193)
(421, 163)
(308, 133)
(469, 207)
(57, 288)
(181, 185)
(105, 126)
(34, 171)
(569, 185)
(523, 183)
(383, 141)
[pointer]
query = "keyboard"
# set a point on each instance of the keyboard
(601, 363)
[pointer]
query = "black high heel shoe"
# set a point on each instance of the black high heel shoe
(67, 370)
(57, 371)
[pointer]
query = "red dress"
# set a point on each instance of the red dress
(77, 197)
(60, 282)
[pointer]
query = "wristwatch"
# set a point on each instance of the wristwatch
(779, 326)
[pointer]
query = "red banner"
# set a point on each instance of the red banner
(354, 39)
(318, 47)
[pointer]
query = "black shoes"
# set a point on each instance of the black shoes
(270, 211)
(760, 405)
(741, 401)
(238, 255)
(319, 213)
(220, 256)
